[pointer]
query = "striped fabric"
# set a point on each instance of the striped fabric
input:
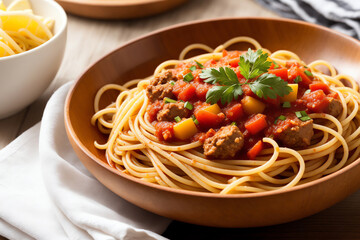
(340, 15)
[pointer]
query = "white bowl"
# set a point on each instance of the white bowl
(25, 76)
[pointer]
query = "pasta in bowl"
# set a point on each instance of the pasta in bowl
(21, 29)
(277, 121)
(32, 41)
(235, 128)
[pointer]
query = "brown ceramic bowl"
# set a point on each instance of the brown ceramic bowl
(140, 57)
(118, 9)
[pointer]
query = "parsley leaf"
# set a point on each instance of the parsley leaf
(252, 65)
(224, 93)
(215, 94)
(223, 76)
(269, 86)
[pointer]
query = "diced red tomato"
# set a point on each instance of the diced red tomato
(292, 64)
(230, 58)
(207, 119)
(183, 90)
(256, 123)
(224, 53)
(247, 91)
(316, 101)
(210, 63)
(295, 71)
(333, 95)
(272, 101)
(234, 62)
(164, 130)
(202, 89)
(280, 72)
(255, 150)
(153, 110)
(178, 86)
(201, 136)
(234, 111)
(305, 79)
(319, 86)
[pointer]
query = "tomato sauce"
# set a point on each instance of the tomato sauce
(313, 97)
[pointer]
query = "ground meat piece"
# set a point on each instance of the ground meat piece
(297, 133)
(160, 87)
(225, 143)
(335, 107)
(172, 110)
(162, 78)
(159, 92)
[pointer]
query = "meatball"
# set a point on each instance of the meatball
(162, 77)
(159, 92)
(297, 133)
(160, 87)
(172, 110)
(335, 107)
(225, 143)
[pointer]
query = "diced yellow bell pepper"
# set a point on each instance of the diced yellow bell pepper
(213, 109)
(185, 129)
(292, 96)
(252, 105)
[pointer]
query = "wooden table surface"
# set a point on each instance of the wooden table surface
(89, 40)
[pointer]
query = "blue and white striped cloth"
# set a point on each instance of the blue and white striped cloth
(340, 15)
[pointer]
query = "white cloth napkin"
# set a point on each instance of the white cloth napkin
(46, 192)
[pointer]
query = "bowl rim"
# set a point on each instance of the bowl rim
(56, 35)
(71, 132)
(112, 3)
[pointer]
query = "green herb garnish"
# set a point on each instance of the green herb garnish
(192, 68)
(199, 64)
(307, 72)
(233, 124)
(195, 120)
(281, 117)
(188, 77)
(297, 79)
(172, 82)
(286, 105)
(252, 65)
(177, 119)
(275, 65)
(302, 115)
(169, 100)
(298, 114)
(225, 76)
(305, 118)
(188, 106)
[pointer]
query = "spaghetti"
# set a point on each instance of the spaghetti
(136, 147)
(21, 30)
